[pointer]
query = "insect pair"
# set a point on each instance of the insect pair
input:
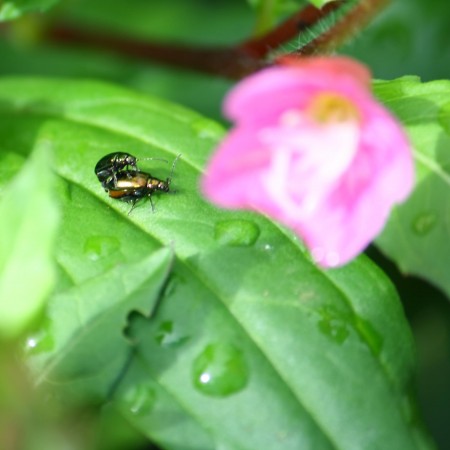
(120, 177)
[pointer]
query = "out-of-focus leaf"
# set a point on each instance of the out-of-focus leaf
(12, 9)
(320, 3)
(417, 235)
(251, 346)
(186, 22)
(418, 50)
(27, 233)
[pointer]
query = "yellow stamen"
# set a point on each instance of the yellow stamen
(331, 107)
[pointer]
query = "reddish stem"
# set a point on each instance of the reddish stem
(231, 62)
(215, 60)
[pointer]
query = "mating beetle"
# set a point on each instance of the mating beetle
(108, 167)
(131, 187)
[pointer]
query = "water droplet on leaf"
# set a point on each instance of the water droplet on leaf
(100, 247)
(333, 326)
(236, 232)
(220, 370)
(424, 223)
(206, 129)
(40, 342)
(139, 400)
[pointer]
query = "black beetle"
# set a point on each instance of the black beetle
(108, 167)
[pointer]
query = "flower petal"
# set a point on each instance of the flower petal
(313, 149)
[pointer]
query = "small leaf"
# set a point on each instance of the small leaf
(86, 326)
(417, 235)
(27, 233)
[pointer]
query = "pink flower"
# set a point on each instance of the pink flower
(314, 150)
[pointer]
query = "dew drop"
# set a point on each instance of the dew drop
(220, 370)
(206, 129)
(335, 330)
(139, 400)
(39, 342)
(236, 233)
(31, 343)
(424, 223)
(168, 336)
(333, 325)
(100, 247)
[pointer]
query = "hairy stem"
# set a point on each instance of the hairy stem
(289, 29)
(345, 28)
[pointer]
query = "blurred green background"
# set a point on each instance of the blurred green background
(411, 37)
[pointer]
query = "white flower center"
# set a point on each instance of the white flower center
(308, 156)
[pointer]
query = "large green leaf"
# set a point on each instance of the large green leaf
(251, 346)
(417, 235)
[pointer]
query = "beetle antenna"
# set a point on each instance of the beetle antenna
(169, 179)
(154, 159)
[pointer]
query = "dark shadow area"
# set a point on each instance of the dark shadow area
(428, 311)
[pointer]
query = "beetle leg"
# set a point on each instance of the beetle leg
(151, 203)
(133, 204)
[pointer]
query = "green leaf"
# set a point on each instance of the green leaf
(82, 345)
(285, 368)
(251, 345)
(27, 233)
(13, 9)
(417, 234)
(402, 22)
